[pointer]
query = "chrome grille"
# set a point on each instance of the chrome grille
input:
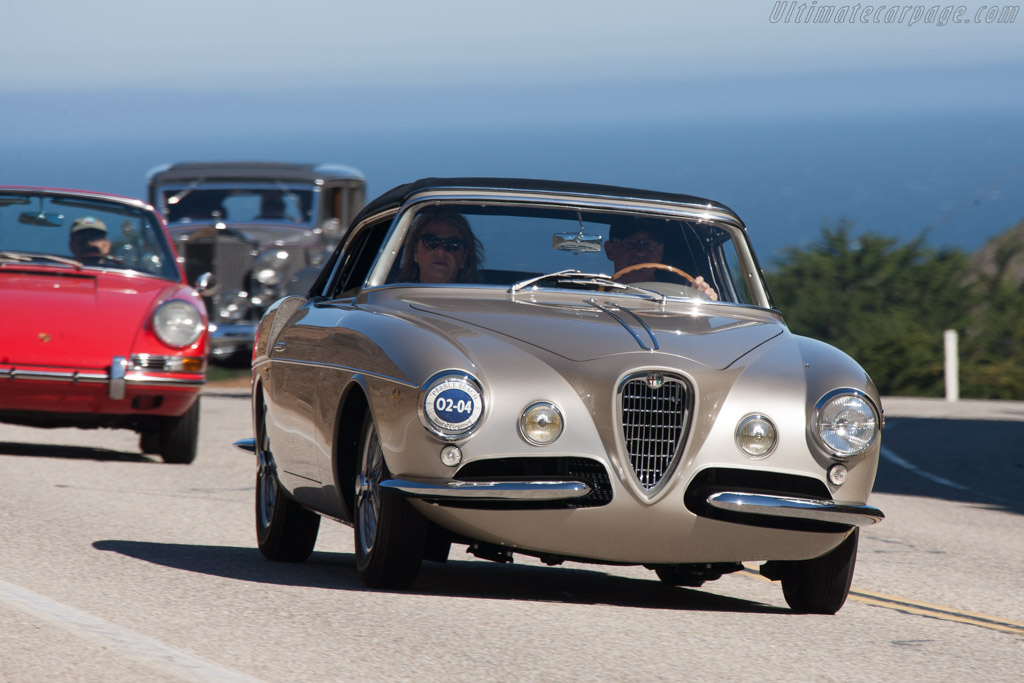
(654, 422)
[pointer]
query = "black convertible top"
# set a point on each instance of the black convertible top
(397, 196)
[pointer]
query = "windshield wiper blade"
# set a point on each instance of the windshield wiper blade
(576, 277)
(26, 258)
(13, 256)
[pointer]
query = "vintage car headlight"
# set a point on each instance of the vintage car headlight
(756, 436)
(177, 323)
(846, 422)
(541, 423)
(451, 404)
(271, 267)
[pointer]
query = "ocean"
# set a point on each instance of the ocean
(955, 177)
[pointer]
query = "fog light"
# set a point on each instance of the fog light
(837, 474)
(756, 436)
(541, 423)
(451, 455)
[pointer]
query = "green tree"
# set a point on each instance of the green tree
(884, 303)
(993, 344)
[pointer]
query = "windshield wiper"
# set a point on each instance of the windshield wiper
(26, 258)
(576, 277)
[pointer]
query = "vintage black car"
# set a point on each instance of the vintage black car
(247, 232)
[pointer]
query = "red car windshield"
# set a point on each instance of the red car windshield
(83, 230)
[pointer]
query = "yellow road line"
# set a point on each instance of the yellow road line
(924, 609)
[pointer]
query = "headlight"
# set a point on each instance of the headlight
(541, 423)
(177, 323)
(845, 422)
(271, 267)
(756, 436)
(451, 404)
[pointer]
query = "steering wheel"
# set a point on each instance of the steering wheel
(659, 266)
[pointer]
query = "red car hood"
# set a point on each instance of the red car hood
(74, 318)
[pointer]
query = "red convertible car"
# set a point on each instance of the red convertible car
(101, 329)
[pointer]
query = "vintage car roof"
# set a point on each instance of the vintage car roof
(398, 195)
(250, 170)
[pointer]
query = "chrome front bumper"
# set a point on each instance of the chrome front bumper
(796, 508)
(454, 489)
(117, 380)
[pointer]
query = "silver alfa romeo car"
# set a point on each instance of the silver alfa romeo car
(569, 371)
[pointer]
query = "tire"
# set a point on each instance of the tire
(389, 534)
(820, 586)
(285, 531)
(179, 437)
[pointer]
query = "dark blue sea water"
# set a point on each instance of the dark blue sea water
(957, 177)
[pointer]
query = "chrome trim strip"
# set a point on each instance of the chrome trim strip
(694, 212)
(451, 489)
(622, 322)
(76, 377)
(796, 508)
(54, 376)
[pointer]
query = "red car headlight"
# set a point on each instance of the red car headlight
(177, 323)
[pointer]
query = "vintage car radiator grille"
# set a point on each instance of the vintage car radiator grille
(225, 255)
(654, 421)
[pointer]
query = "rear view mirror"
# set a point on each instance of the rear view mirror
(577, 243)
(50, 220)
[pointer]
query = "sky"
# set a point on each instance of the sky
(744, 98)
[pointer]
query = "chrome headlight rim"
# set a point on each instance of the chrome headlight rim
(178, 323)
(451, 386)
(270, 268)
(772, 432)
(817, 424)
(533, 412)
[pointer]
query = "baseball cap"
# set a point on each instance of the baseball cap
(87, 223)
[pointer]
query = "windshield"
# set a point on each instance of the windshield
(508, 244)
(234, 203)
(83, 231)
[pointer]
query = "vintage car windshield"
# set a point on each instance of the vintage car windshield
(513, 243)
(37, 227)
(251, 202)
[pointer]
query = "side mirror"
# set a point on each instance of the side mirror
(207, 285)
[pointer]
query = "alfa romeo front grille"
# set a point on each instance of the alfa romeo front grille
(655, 416)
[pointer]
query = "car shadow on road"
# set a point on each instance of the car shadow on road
(455, 578)
(71, 452)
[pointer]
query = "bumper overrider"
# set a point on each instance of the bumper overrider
(138, 371)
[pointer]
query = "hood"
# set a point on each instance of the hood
(583, 330)
(74, 318)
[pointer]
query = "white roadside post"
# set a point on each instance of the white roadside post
(949, 338)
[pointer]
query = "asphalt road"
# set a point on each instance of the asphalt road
(117, 567)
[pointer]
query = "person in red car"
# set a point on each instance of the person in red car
(88, 240)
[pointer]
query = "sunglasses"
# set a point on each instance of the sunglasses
(646, 245)
(452, 245)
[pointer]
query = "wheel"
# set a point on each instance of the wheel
(179, 437)
(285, 531)
(389, 534)
(820, 586)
